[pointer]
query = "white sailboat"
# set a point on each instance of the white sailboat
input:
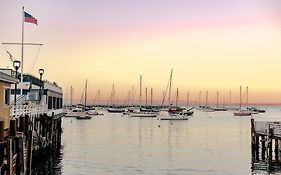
(114, 109)
(173, 113)
(73, 112)
(242, 112)
(217, 107)
(207, 108)
(142, 113)
(84, 115)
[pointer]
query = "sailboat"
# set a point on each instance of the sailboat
(242, 112)
(142, 113)
(174, 112)
(207, 108)
(84, 115)
(114, 109)
(217, 107)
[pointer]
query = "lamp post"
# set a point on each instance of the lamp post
(41, 72)
(16, 65)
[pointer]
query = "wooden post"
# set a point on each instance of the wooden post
(263, 150)
(29, 151)
(256, 147)
(253, 141)
(276, 151)
(9, 157)
(1, 154)
(13, 128)
(1, 131)
(269, 147)
(22, 124)
(26, 125)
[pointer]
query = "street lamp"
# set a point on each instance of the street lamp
(41, 72)
(16, 65)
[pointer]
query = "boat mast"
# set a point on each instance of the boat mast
(140, 88)
(99, 96)
(187, 99)
(133, 95)
(129, 98)
(151, 96)
(145, 96)
(247, 97)
(170, 87)
(240, 101)
(71, 95)
(86, 95)
(112, 95)
(177, 96)
(199, 98)
(206, 98)
(22, 41)
(217, 99)
(230, 97)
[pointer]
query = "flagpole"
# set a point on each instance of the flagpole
(22, 41)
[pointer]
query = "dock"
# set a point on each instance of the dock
(30, 138)
(266, 145)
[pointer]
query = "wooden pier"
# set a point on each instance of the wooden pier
(29, 138)
(266, 145)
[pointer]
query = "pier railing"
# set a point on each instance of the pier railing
(32, 109)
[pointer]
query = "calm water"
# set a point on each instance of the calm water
(208, 143)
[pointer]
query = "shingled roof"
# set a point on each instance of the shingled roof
(7, 78)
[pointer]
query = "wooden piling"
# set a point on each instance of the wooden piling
(9, 157)
(1, 153)
(13, 128)
(22, 123)
(276, 151)
(263, 150)
(1, 131)
(256, 147)
(26, 125)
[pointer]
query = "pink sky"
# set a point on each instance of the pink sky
(111, 42)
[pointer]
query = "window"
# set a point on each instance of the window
(7, 94)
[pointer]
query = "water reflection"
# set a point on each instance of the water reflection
(51, 164)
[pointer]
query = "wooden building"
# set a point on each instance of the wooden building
(5, 91)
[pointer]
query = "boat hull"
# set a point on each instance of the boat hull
(83, 117)
(242, 113)
(174, 117)
(143, 115)
(116, 110)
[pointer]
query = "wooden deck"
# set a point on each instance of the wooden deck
(266, 145)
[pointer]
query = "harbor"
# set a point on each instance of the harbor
(150, 146)
(140, 87)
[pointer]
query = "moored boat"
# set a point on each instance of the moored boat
(116, 110)
(173, 116)
(143, 114)
(83, 116)
(242, 112)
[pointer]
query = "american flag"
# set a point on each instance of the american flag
(29, 18)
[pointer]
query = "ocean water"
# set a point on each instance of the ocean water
(214, 143)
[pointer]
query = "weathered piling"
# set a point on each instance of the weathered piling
(29, 139)
(266, 149)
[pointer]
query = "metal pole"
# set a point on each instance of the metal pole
(15, 94)
(40, 94)
(22, 44)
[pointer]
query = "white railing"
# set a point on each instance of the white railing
(32, 109)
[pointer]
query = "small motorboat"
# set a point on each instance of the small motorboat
(83, 117)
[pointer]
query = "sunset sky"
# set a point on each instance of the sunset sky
(213, 45)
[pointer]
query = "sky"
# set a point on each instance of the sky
(213, 45)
